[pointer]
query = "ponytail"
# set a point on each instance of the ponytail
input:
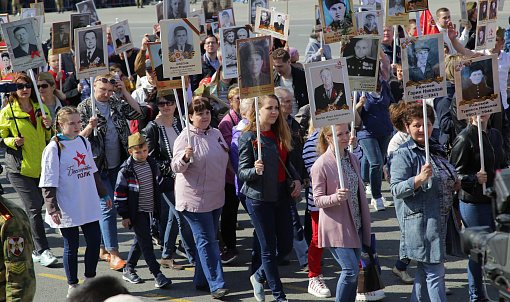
(62, 117)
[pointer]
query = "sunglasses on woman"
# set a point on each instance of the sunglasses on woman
(22, 86)
(169, 103)
(43, 86)
(105, 80)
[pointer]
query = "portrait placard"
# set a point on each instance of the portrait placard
(486, 25)
(396, 13)
(91, 51)
(160, 11)
(23, 44)
(416, 5)
(254, 67)
(361, 8)
(337, 19)
(209, 8)
(39, 9)
(180, 44)
(377, 3)
(252, 9)
(4, 18)
(370, 23)
(121, 36)
(215, 28)
(423, 66)
(79, 21)
(162, 83)
(176, 9)
(89, 7)
(28, 13)
(226, 18)
(362, 58)
(463, 13)
(38, 26)
(201, 22)
(61, 37)
(228, 38)
(477, 86)
(272, 23)
(328, 89)
(7, 72)
(318, 16)
(224, 4)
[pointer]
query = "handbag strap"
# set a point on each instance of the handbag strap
(286, 170)
(370, 254)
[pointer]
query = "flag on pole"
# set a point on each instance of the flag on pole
(428, 25)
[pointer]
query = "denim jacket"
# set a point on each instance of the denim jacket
(422, 213)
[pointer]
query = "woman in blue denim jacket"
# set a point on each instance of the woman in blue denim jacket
(422, 210)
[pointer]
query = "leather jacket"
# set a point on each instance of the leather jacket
(260, 187)
(465, 157)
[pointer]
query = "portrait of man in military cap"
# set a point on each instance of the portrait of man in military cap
(360, 58)
(424, 64)
(370, 24)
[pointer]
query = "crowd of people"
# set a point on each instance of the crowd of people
(132, 155)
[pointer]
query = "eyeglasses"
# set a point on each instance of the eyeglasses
(105, 80)
(169, 103)
(22, 86)
(43, 86)
(212, 42)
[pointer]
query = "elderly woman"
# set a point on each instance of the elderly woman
(423, 195)
(200, 192)
(475, 207)
(53, 98)
(24, 133)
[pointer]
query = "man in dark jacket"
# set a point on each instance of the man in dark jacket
(210, 61)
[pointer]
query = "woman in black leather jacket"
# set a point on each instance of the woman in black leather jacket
(267, 201)
(475, 207)
(161, 134)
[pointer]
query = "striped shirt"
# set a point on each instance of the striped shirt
(143, 173)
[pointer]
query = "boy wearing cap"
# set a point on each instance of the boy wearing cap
(138, 200)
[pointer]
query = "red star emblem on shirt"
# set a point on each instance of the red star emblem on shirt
(80, 158)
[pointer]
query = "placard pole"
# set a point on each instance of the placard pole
(185, 97)
(351, 147)
(93, 101)
(34, 80)
(127, 65)
(394, 44)
(418, 23)
(259, 144)
(480, 142)
(338, 160)
(179, 107)
(59, 70)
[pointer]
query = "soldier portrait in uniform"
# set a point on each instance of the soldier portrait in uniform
(360, 54)
(61, 37)
(423, 61)
(265, 18)
(480, 36)
(477, 85)
(482, 10)
(329, 93)
(335, 14)
(396, 7)
(370, 24)
(176, 9)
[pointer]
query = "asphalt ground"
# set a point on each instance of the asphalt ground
(51, 282)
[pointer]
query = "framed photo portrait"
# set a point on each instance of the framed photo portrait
(24, 45)
(228, 38)
(160, 11)
(88, 7)
(272, 23)
(252, 8)
(210, 11)
(28, 13)
(39, 9)
(396, 13)
(370, 23)
(7, 72)
(176, 9)
(337, 19)
(224, 4)
(376, 3)
(61, 37)
(480, 37)
(255, 67)
(91, 51)
(156, 57)
(362, 58)
(329, 92)
(215, 28)
(201, 22)
(79, 21)
(482, 10)
(317, 16)
(477, 87)
(416, 5)
(463, 13)
(180, 44)
(121, 36)
(226, 18)
(423, 66)
(4, 18)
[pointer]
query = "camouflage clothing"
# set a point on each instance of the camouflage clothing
(17, 275)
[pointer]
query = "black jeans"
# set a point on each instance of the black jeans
(229, 217)
(142, 244)
(31, 196)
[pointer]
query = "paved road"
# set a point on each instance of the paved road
(51, 281)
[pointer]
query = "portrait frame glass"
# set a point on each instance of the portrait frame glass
(262, 84)
(67, 48)
(39, 7)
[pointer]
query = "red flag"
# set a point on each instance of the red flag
(428, 25)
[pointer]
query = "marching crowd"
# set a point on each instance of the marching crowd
(134, 158)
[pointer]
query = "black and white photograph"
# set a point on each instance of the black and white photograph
(477, 87)
(156, 58)
(279, 21)
(24, 45)
(396, 13)
(463, 13)
(255, 67)
(160, 11)
(201, 21)
(215, 28)
(416, 5)
(423, 66)
(176, 9)
(264, 19)
(493, 10)
(317, 16)
(61, 37)
(121, 36)
(370, 23)
(226, 18)
(362, 58)
(272, 23)
(329, 92)
(210, 11)
(180, 44)
(4, 18)
(79, 21)
(91, 51)
(252, 8)
(28, 13)
(224, 4)
(7, 72)
(88, 7)
(480, 37)
(482, 10)
(376, 3)
(228, 38)
(337, 19)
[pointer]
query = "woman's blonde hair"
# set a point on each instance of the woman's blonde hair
(280, 127)
(450, 62)
(61, 118)
(322, 143)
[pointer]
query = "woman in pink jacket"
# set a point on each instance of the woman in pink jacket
(200, 192)
(344, 217)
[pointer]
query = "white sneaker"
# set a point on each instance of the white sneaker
(403, 275)
(318, 288)
(378, 204)
(36, 257)
(387, 203)
(370, 296)
(47, 258)
(368, 189)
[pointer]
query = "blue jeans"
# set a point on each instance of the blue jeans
(208, 268)
(476, 215)
(429, 284)
(142, 243)
(171, 223)
(109, 222)
(272, 222)
(374, 152)
(349, 259)
(71, 237)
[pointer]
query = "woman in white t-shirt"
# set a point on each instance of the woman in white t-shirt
(69, 181)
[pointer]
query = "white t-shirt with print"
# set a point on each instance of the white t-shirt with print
(73, 176)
